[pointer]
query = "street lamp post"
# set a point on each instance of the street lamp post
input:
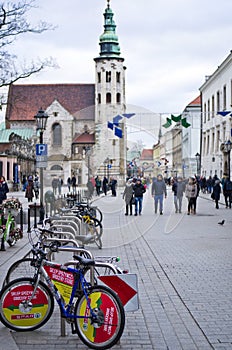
(197, 155)
(227, 148)
(41, 121)
(88, 153)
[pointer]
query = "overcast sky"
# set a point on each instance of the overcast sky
(169, 46)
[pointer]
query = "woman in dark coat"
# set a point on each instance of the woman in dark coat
(29, 194)
(128, 196)
(216, 192)
(3, 189)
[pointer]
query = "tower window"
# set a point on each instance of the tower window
(56, 133)
(108, 97)
(118, 97)
(108, 76)
(118, 77)
(99, 98)
(99, 77)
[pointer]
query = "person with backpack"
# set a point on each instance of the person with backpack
(139, 190)
(227, 191)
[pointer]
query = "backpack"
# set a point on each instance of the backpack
(228, 185)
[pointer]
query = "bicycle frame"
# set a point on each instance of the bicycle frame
(65, 311)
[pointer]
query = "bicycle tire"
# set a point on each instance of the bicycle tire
(96, 213)
(20, 268)
(96, 231)
(12, 312)
(107, 331)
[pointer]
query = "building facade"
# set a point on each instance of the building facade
(216, 95)
(77, 134)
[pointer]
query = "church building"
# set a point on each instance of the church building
(78, 137)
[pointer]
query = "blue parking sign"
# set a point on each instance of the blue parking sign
(41, 149)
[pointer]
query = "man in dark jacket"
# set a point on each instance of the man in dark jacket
(139, 190)
(159, 190)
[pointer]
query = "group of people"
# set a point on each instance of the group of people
(135, 188)
(102, 186)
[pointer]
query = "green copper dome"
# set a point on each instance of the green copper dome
(109, 40)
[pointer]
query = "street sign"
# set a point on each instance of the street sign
(126, 286)
(109, 166)
(41, 152)
(41, 149)
(41, 165)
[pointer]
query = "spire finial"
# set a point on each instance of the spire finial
(108, 4)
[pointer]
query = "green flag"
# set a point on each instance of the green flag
(184, 123)
(168, 123)
(176, 118)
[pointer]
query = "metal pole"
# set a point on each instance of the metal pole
(229, 164)
(41, 211)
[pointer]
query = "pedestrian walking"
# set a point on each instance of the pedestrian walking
(227, 191)
(216, 193)
(209, 184)
(36, 187)
(158, 191)
(113, 184)
(98, 185)
(128, 196)
(3, 189)
(191, 192)
(69, 183)
(60, 184)
(55, 185)
(90, 187)
(29, 193)
(139, 190)
(74, 183)
(105, 185)
(178, 189)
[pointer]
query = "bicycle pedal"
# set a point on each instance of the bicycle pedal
(73, 328)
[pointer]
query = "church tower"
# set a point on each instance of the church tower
(110, 100)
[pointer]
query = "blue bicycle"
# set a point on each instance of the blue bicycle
(95, 313)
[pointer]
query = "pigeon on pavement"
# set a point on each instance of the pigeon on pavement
(221, 222)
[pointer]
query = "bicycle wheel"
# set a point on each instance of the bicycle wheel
(106, 328)
(18, 315)
(95, 228)
(96, 213)
(20, 268)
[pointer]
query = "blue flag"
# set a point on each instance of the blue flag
(128, 115)
(118, 132)
(110, 125)
(223, 113)
(117, 118)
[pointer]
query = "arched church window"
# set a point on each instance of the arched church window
(56, 167)
(99, 77)
(99, 98)
(108, 76)
(56, 134)
(108, 97)
(118, 77)
(118, 97)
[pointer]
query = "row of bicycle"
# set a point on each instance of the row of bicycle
(81, 222)
(95, 312)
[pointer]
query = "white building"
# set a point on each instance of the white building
(216, 95)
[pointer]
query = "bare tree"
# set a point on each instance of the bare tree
(13, 23)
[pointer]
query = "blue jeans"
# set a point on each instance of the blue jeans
(138, 203)
(159, 198)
